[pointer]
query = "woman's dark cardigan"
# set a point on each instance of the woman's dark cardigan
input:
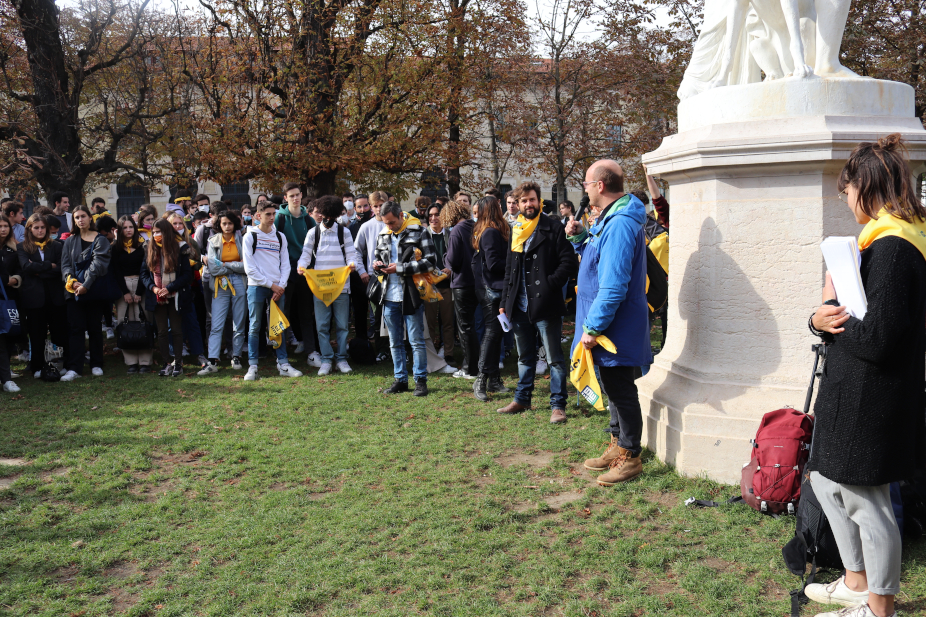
(870, 416)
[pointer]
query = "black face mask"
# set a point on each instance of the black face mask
(365, 216)
(329, 223)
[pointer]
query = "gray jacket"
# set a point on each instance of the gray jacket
(214, 263)
(72, 257)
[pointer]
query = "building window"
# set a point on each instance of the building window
(238, 193)
(131, 195)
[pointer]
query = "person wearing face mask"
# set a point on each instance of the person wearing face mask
(360, 304)
(84, 263)
(247, 213)
(365, 245)
(146, 217)
(294, 222)
(42, 297)
(127, 256)
(349, 213)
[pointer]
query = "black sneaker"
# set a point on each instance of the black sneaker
(133, 369)
(495, 384)
(382, 357)
(178, 370)
(399, 385)
(421, 387)
(479, 387)
(144, 369)
(167, 371)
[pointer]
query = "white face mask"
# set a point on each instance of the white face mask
(349, 205)
(475, 218)
(204, 208)
(344, 220)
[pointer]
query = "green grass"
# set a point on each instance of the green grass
(322, 496)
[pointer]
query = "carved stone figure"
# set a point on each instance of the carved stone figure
(742, 39)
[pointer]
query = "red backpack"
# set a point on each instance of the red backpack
(771, 481)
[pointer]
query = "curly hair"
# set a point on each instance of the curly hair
(453, 212)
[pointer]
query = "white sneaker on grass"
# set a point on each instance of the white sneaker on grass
(109, 333)
(14, 375)
(251, 375)
(287, 370)
(440, 352)
(24, 356)
(501, 366)
(208, 369)
(836, 593)
(300, 347)
(315, 359)
(461, 374)
(10, 387)
(862, 610)
(344, 367)
(448, 370)
(541, 367)
(325, 369)
(236, 363)
(96, 371)
(70, 376)
(37, 375)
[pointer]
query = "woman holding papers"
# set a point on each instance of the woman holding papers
(869, 413)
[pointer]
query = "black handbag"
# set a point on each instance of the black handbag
(50, 373)
(133, 335)
(375, 290)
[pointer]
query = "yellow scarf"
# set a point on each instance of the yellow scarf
(40, 245)
(889, 225)
(127, 245)
(521, 231)
(225, 283)
(69, 285)
(409, 220)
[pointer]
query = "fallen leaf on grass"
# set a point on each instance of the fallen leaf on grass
(530, 486)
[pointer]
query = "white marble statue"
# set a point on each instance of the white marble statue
(741, 39)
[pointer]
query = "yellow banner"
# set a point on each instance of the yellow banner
(327, 285)
(582, 372)
(276, 326)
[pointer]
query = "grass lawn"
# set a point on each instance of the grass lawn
(140, 495)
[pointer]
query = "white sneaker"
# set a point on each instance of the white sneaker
(208, 369)
(344, 367)
(87, 356)
(251, 375)
(541, 367)
(37, 374)
(14, 375)
(440, 352)
(300, 347)
(236, 363)
(109, 333)
(460, 374)
(96, 371)
(10, 387)
(70, 376)
(860, 610)
(448, 370)
(315, 359)
(836, 593)
(325, 369)
(287, 370)
(185, 351)
(501, 366)
(25, 356)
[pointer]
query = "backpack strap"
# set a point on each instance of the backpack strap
(318, 236)
(253, 242)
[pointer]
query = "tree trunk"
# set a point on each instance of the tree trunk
(58, 146)
(322, 183)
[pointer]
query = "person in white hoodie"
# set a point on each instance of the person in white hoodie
(266, 264)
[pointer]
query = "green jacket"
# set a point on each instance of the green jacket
(295, 230)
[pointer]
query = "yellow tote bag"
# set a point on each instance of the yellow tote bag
(582, 372)
(327, 284)
(276, 326)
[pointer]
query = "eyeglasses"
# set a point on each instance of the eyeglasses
(584, 184)
(843, 196)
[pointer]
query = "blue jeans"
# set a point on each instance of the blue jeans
(525, 336)
(257, 296)
(239, 308)
(339, 309)
(396, 323)
(192, 331)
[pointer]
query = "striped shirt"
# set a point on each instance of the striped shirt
(329, 255)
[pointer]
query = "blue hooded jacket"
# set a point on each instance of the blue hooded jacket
(611, 297)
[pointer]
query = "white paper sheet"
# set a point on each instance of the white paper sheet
(842, 260)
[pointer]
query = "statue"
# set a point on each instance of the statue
(741, 39)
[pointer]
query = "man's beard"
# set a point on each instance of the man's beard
(532, 216)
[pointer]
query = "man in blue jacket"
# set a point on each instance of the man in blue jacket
(611, 302)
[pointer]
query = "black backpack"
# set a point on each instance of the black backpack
(318, 238)
(813, 543)
(657, 284)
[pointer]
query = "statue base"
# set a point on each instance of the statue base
(753, 175)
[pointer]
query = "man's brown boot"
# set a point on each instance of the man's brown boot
(604, 461)
(623, 468)
(513, 407)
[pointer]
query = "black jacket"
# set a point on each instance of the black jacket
(870, 422)
(42, 284)
(491, 259)
(551, 261)
(180, 286)
(10, 263)
(459, 256)
(127, 264)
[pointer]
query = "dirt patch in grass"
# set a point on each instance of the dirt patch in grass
(481, 481)
(65, 574)
(7, 482)
(667, 501)
(540, 459)
(120, 569)
(13, 462)
(48, 476)
(558, 501)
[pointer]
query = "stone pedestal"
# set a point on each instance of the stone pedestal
(753, 174)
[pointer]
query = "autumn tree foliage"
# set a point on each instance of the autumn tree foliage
(85, 92)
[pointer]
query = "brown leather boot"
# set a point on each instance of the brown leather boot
(623, 468)
(513, 407)
(558, 416)
(604, 461)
